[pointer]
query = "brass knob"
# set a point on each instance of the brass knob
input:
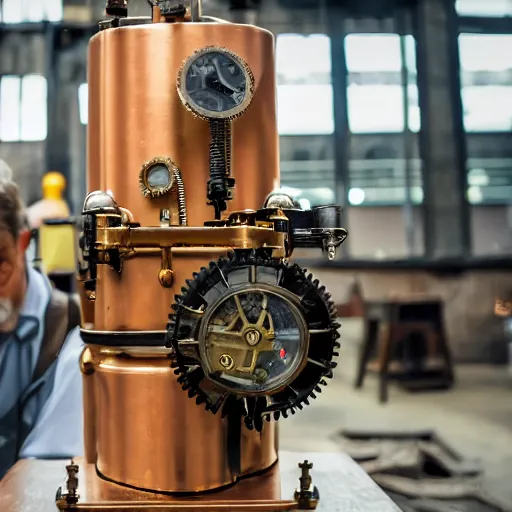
(166, 277)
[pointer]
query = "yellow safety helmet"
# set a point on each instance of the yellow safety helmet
(53, 185)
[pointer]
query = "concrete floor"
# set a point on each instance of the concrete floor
(475, 417)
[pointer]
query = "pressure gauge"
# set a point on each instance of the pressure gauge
(157, 177)
(215, 83)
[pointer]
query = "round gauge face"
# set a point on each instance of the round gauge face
(253, 341)
(156, 177)
(215, 83)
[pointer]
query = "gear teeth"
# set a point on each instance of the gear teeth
(231, 405)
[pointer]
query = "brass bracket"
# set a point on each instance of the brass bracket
(127, 239)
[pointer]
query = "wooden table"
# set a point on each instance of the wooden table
(343, 485)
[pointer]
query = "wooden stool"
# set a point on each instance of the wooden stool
(389, 324)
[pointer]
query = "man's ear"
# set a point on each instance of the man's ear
(24, 239)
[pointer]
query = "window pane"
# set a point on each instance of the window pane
(10, 94)
(53, 10)
(12, 11)
(304, 91)
(486, 69)
(33, 12)
(17, 11)
(361, 51)
(83, 103)
(484, 7)
(305, 109)
(487, 108)
(303, 59)
(379, 108)
(34, 114)
(480, 52)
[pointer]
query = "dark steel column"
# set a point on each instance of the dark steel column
(336, 31)
(442, 137)
(58, 140)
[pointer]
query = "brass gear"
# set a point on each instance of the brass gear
(224, 382)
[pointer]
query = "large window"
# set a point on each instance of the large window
(23, 108)
(18, 11)
(304, 85)
(375, 92)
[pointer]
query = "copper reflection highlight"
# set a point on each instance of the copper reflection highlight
(150, 435)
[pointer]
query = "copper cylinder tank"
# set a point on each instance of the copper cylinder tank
(142, 430)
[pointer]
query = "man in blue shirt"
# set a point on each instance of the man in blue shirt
(40, 379)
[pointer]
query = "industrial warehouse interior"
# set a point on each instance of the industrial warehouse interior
(390, 119)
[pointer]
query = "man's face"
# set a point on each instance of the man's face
(13, 281)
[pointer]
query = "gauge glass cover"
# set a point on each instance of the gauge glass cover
(253, 341)
(216, 83)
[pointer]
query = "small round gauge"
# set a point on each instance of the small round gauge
(157, 177)
(216, 83)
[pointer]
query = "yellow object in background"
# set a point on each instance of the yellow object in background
(53, 205)
(57, 240)
(56, 237)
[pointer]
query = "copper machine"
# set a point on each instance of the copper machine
(199, 331)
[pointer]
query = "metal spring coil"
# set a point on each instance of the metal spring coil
(180, 192)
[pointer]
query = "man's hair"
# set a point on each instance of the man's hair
(13, 216)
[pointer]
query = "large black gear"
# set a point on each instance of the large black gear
(234, 276)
